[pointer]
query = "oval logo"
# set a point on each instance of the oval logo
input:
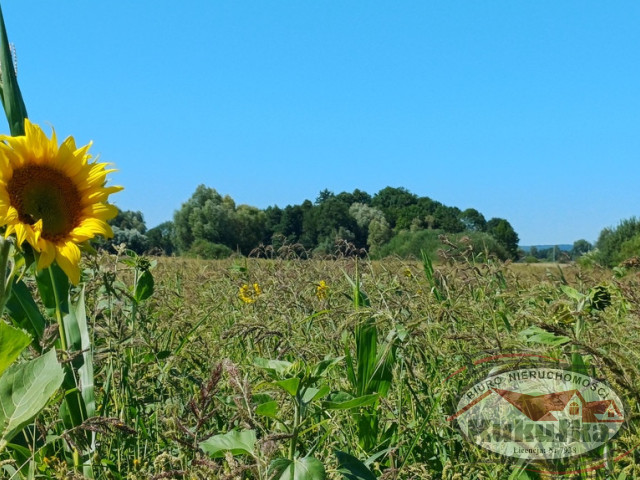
(539, 413)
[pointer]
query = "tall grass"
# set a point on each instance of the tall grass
(353, 383)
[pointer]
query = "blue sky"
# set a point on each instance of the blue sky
(526, 110)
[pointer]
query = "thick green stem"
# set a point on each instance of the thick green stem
(294, 436)
(63, 337)
(5, 284)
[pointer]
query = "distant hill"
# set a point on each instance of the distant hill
(565, 247)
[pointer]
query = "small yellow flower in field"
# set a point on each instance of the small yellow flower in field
(322, 290)
(136, 463)
(407, 272)
(53, 196)
(247, 295)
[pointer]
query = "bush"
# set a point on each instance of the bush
(615, 245)
(208, 250)
(406, 244)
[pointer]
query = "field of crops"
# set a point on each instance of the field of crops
(309, 369)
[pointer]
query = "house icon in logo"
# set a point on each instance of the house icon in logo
(553, 407)
(567, 405)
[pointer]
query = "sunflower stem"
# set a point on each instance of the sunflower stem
(63, 337)
(5, 285)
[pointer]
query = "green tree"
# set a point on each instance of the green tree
(249, 228)
(503, 232)
(333, 222)
(580, 247)
(392, 201)
(473, 220)
(129, 228)
(207, 216)
(610, 241)
(448, 219)
(372, 223)
(160, 238)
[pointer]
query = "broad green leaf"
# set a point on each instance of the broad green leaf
(12, 342)
(53, 286)
(274, 367)
(353, 469)
(24, 312)
(572, 292)
(144, 287)
(311, 393)
(289, 385)
(79, 340)
(268, 409)
(536, 334)
(340, 403)
(25, 389)
(238, 443)
(307, 468)
(321, 368)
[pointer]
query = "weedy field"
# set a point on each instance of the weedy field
(342, 368)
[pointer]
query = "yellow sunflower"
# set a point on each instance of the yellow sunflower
(53, 197)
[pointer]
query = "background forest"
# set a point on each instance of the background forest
(393, 221)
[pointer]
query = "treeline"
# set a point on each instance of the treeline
(619, 245)
(392, 221)
(616, 246)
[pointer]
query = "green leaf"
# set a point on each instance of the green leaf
(572, 293)
(307, 468)
(10, 94)
(25, 389)
(289, 385)
(53, 286)
(342, 403)
(77, 321)
(321, 368)
(12, 342)
(24, 312)
(276, 368)
(536, 334)
(353, 469)
(238, 443)
(144, 287)
(311, 393)
(268, 409)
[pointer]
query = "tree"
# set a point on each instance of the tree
(503, 232)
(249, 227)
(448, 219)
(392, 201)
(323, 196)
(206, 215)
(160, 238)
(129, 228)
(129, 220)
(473, 220)
(580, 247)
(611, 240)
(372, 223)
(333, 222)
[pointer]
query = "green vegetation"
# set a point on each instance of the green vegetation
(618, 244)
(392, 222)
(249, 368)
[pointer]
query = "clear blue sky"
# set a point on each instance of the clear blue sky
(526, 110)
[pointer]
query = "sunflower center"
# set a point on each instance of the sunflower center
(40, 192)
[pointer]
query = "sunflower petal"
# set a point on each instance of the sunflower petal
(68, 258)
(47, 253)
